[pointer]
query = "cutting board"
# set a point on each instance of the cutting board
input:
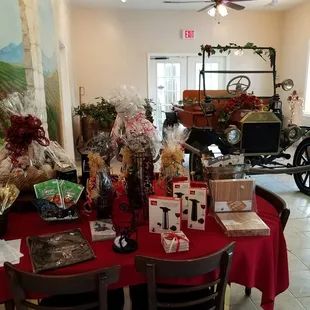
(242, 224)
(232, 195)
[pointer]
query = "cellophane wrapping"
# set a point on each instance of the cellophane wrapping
(27, 157)
(172, 156)
(135, 141)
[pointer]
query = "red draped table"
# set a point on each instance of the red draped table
(259, 262)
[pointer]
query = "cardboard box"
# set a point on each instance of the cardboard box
(197, 208)
(232, 195)
(102, 230)
(174, 242)
(181, 190)
(164, 214)
(242, 224)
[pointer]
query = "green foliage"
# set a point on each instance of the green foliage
(211, 50)
(103, 111)
(149, 109)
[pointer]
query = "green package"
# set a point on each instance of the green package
(50, 191)
(70, 193)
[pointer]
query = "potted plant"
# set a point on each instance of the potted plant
(96, 117)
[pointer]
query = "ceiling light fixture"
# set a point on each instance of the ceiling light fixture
(124, 1)
(212, 12)
(222, 10)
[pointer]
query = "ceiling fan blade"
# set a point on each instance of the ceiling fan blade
(234, 6)
(206, 8)
(178, 2)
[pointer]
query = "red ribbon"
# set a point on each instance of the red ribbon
(22, 132)
(171, 236)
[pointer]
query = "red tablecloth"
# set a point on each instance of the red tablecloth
(259, 262)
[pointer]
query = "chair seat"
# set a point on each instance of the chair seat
(115, 300)
(138, 295)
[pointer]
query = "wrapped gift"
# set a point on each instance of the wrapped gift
(174, 242)
(242, 224)
(232, 195)
(197, 208)
(102, 230)
(164, 214)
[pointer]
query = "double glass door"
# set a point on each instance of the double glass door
(170, 76)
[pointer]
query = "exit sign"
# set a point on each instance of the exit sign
(188, 34)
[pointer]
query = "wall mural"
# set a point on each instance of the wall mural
(28, 57)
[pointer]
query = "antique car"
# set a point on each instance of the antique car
(236, 120)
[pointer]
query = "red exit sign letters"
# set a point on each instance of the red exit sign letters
(188, 34)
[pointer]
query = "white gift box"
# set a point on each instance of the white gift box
(174, 242)
(164, 214)
(181, 190)
(197, 208)
(101, 230)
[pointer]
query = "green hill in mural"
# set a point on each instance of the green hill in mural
(52, 94)
(13, 79)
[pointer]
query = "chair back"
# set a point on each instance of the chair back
(21, 282)
(155, 268)
(278, 203)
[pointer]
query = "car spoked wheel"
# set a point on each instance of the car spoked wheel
(302, 158)
(195, 167)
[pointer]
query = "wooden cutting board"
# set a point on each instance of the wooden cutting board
(242, 224)
(232, 195)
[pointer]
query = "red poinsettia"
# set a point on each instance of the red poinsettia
(244, 101)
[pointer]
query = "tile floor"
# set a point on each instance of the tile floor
(297, 234)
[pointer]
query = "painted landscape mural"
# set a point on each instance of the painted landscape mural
(12, 57)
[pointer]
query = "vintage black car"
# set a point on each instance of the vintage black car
(237, 121)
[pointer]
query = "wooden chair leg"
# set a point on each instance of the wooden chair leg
(248, 291)
(9, 305)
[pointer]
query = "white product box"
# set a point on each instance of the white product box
(197, 208)
(174, 242)
(181, 190)
(101, 230)
(164, 214)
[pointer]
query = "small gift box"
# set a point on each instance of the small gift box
(174, 242)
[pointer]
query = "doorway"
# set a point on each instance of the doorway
(170, 75)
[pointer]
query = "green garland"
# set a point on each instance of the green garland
(211, 50)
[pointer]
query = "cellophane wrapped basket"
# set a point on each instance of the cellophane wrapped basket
(27, 156)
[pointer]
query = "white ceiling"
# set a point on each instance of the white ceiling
(159, 5)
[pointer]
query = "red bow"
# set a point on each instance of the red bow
(24, 130)
(173, 236)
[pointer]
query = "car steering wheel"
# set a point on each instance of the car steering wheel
(239, 84)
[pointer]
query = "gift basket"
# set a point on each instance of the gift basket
(28, 157)
(172, 157)
(136, 144)
(8, 194)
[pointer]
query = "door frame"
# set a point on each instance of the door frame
(149, 71)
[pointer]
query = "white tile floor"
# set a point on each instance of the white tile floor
(297, 234)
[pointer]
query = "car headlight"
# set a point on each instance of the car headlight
(233, 135)
(293, 133)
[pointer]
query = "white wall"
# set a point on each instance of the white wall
(110, 47)
(62, 11)
(295, 46)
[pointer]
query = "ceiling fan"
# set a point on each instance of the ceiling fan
(213, 5)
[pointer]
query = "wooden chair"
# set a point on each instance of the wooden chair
(279, 204)
(156, 268)
(21, 282)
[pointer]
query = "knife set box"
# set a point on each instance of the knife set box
(164, 214)
(242, 224)
(235, 195)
